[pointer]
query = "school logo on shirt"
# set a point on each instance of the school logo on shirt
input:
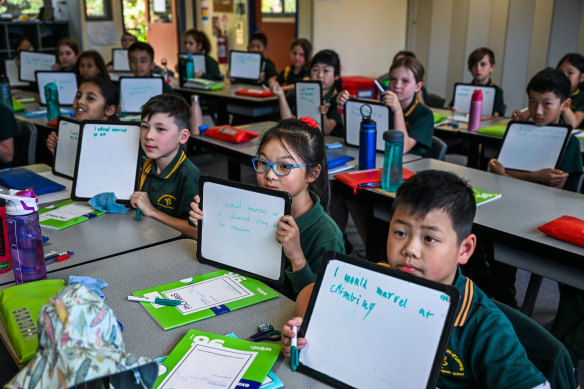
(167, 201)
(452, 364)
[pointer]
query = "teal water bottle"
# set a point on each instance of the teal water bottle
(391, 177)
(5, 93)
(190, 67)
(52, 100)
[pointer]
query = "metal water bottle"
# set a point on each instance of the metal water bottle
(24, 235)
(391, 178)
(190, 67)
(52, 100)
(165, 72)
(5, 93)
(367, 139)
(476, 110)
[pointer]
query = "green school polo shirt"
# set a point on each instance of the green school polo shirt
(571, 161)
(9, 129)
(168, 89)
(288, 77)
(419, 121)
(483, 349)
(269, 68)
(318, 234)
(173, 190)
(331, 97)
(212, 67)
(577, 104)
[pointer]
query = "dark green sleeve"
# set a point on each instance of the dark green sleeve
(189, 190)
(8, 128)
(421, 128)
(280, 77)
(339, 130)
(499, 104)
(270, 69)
(571, 161)
(213, 72)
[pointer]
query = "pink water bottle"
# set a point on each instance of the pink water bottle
(476, 110)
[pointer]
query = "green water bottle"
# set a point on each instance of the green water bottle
(52, 100)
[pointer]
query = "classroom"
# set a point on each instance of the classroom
(162, 140)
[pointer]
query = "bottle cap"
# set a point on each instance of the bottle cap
(477, 95)
(393, 136)
(21, 202)
(203, 128)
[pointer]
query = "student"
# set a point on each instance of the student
(127, 40)
(572, 65)
(67, 52)
(141, 59)
(196, 42)
(326, 68)
(258, 43)
(90, 65)
(169, 179)
(24, 44)
(300, 56)
(430, 235)
(422, 94)
(291, 157)
(549, 96)
(12, 152)
(96, 99)
(481, 63)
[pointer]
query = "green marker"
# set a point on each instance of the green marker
(294, 350)
(138, 214)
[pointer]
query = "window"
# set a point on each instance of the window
(19, 7)
(278, 8)
(98, 10)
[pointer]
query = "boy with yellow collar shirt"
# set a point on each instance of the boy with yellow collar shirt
(430, 235)
(169, 180)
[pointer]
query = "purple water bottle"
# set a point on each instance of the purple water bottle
(367, 140)
(24, 235)
(476, 110)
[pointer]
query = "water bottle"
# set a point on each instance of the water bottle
(367, 140)
(190, 66)
(5, 93)
(5, 257)
(476, 110)
(24, 235)
(392, 161)
(165, 74)
(52, 100)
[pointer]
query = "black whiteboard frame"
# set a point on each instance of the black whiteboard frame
(370, 102)
(449, 290)
(74, 197)
(70, 120)
(270, 192)
(39, 91)
(456, 85)
(316, 83)
(134, 78)
(247, 53)
(562, 151)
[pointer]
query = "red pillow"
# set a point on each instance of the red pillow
(567, 228)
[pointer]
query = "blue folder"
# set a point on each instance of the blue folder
(21, 178)
(335, 160)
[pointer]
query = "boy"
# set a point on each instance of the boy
(169, 180)
(141, 59)
(481, 63)
(430, 236)
(258, 43)
(549, 95)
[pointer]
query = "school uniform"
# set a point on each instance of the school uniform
(9, 129)
(419, 121)
(318, 234)
(269, 68)
(173, 189)
(577, 104)
(571, 161)
(483, 349)
(212, 67)
(288, 77)
(168, 89)
(333, 113)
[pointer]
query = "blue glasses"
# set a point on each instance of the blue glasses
(261, 165)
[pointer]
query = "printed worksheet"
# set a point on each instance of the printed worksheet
(67, 212)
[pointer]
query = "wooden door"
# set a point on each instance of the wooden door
(162, 31)
(280, 35)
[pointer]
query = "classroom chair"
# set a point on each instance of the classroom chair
(438, 149)
(435, 101)
(27, 137)
(546, 352)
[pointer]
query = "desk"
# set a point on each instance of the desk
(166, 263)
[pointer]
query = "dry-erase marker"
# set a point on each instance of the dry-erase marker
(378, 85)
(294, 349)
(138, 214)
(64, 256)
(522, 110)
(265, 87)
(156, 300)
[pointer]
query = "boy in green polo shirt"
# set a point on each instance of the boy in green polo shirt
(169, 180)
(430, 235)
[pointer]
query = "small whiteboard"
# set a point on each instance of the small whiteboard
(107, 160)
(136, 91)
(66, 84)
(31, 61)
(120, 60)
(528, 147)
(199, 62)
(66, 150)
(245, 65)
(308, 97)
(238, 232)
(12, 73)
(369, 326)
(380, 113)
(463, 95)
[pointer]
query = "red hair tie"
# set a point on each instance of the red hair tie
(309, 121)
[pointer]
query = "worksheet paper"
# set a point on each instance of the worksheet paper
(67, 212)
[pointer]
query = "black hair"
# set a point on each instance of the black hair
(97, 59)
(259, 36)
(171, 105)
(199, 37)
(550, 80)
(479, 54)
(308, 143)
(142, 46)
(109, 92)
(331, 58)
(574, 59)
(431, 190)
(403, 53)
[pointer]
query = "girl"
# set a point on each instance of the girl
(90, 65)
(572, 65)
(96, 99)
(67, 52)
(326, 68)
(291, 157)
(196, 42)
(300, 55)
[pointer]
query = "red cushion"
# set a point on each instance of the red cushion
(567, 228)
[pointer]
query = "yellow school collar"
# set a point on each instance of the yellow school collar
(147, 168)
(576, 92)
(412, 108)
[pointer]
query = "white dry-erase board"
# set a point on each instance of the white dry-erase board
(12, 73)
(369, 326)
(136, 91)
(199, 62)
(107, 160)
(66, 84)
(31, 61)
(308, 96)
(66, 150)
(120, 60)
(463, 95)
(380, 113)
(245, 65)
(529, 147)
(238, 231)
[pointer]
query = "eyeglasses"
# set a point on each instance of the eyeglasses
(261, 165)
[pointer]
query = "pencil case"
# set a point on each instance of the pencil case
(231, 134)
(567, 228)
(363, 179)
(254, 92)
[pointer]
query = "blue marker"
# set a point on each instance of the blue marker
(369, 185)
(138, 214)
(45, 239)
(294, 350)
